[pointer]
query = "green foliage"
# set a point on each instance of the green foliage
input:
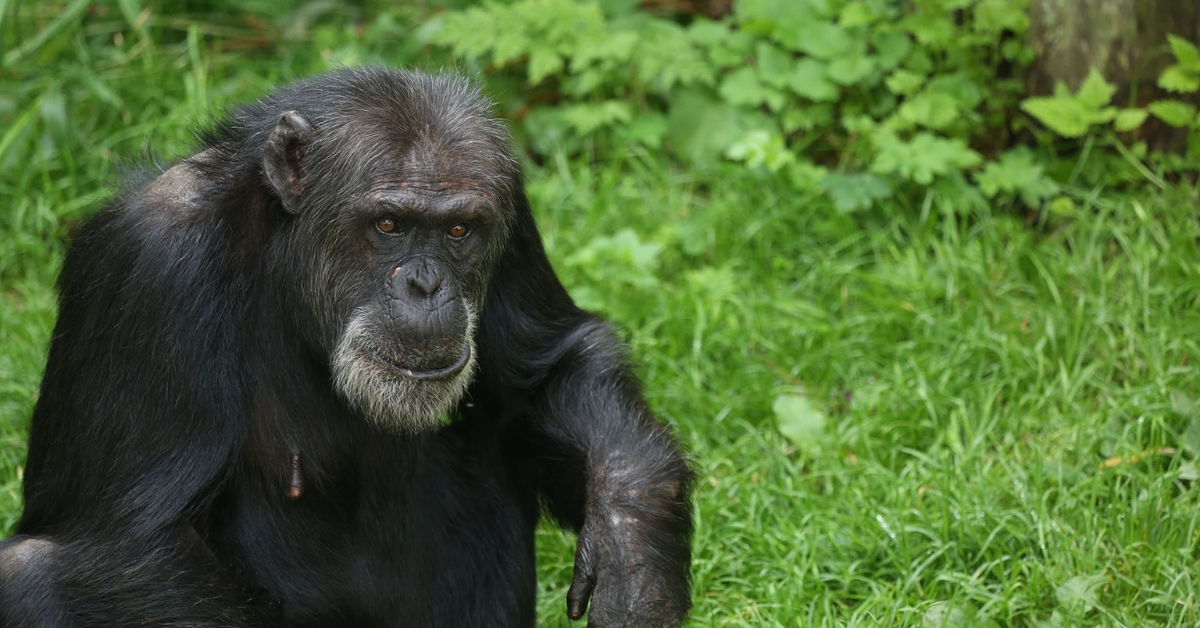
(1184, 75)
(800, 422)
(1129, 119)
(623, 255)
(1088, 111)
(1016, 173)
(575, 43)
(922, 158)
(852, 192)
(817, 93)
(1072, 115)
(795, 89)
(1173, 112)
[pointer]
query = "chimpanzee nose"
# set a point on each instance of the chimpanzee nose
(423, 278)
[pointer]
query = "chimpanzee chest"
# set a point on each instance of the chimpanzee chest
(444, 538)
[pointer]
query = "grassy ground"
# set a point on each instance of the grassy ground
(1010, 416)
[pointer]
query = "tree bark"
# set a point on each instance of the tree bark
(1125, 39)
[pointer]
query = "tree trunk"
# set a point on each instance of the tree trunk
(1125, 39)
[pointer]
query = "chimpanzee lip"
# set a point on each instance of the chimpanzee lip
(443, 372)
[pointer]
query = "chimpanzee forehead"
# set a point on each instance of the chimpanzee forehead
(458, 164)
(380, 129)
(466, 157)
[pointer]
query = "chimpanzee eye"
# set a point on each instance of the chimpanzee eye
(459, 230)
(387, 224)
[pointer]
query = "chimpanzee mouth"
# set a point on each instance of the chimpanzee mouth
(391, 383)
(440, 373)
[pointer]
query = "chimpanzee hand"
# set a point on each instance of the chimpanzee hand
(629, 567)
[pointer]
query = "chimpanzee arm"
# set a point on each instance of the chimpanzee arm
(138, 416)
(136, 428)
(634, 550)
(606, 465)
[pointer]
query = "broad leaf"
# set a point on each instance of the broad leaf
(1016, 173)
(823, 40)
(773, 64)
(1072, 115)
(1095, 92)
(1067, 116)
(1064, 116)
(923, 158)
(1173, 112)
(1179, 80)
(799, 420)
(761, 148)
(851, 69)
(742, 87)
(700, 128)
(1185, 53)
(904, 82)
(930, 109)
(965, 90)
(891, 48)
(1080, 592)
(854, 192)
(1130, 119)
(809, 79)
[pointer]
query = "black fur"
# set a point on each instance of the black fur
(192, 464)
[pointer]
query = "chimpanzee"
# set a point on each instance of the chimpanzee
(321, 373)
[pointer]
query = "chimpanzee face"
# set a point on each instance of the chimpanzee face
(407, 353)
(409, 222)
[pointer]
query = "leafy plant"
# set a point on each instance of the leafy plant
(1088, 110)
(853, 100)
(1017, 174)
(1072, 115)
(1184, 76)
(798, 89)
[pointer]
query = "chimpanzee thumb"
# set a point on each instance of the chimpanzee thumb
(584, 579)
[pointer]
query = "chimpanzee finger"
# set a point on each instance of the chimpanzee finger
(583, 581)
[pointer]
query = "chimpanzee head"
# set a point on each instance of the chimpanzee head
(404, 188)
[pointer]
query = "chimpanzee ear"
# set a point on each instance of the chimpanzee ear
(282, 157)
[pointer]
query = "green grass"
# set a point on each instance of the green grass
(1011, 420)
